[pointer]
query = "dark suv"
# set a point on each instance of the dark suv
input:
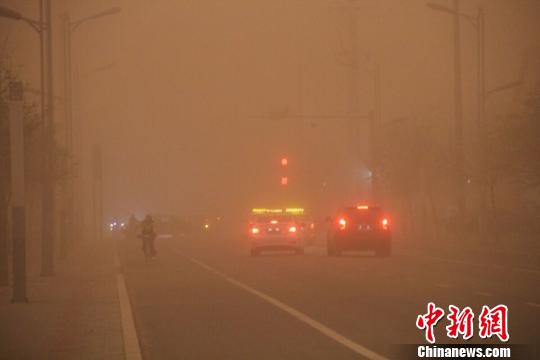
(359, 228)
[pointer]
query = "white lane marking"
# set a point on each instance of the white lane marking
(533, 304)
(132, 348)
(481, 293)
(357, 348)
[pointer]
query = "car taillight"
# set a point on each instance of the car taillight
(254, 230)
(342, 223)
(385, 223)
(292, 229)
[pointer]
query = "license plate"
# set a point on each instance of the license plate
(364, 227)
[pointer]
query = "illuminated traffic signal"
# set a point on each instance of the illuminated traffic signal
(284, 162)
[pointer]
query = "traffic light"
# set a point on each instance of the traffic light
(284, 177)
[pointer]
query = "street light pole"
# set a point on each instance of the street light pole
(458, 102)
(69, 228)
(458, 108)
(43, 27)
(48, 208)
(67, 232)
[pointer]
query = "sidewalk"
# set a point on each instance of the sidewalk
(73, 315)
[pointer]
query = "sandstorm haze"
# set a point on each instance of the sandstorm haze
(269, 179)
(181, 93)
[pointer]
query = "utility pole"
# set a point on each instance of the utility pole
(40, 26)
(69, 191)
(72, 221)
(375, 128)
(18, 212)
(354, 109)
(352, 128)
(458, 124)
(97, 191)
(481, 73)
(481, 111)
(48, 201)
(4, 182)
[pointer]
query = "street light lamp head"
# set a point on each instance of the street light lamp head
(110, 11)
(442, 8)
(438, 7)
(8, 13)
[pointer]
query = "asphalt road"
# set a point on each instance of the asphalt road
(204, 297)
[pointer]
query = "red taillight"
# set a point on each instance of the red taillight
(342, 223)
(254, 230)
(385, 223)
(292, 229)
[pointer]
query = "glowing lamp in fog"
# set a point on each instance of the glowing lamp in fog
(385, 223)
(294, 211)
(292, 229)
(342, 224)
(284, 161)
(273, 222)
(284, 180)
(254, 230)
(206, 226)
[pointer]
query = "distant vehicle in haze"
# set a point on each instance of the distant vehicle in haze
(116, 225)
(276, 229)
(359, 228)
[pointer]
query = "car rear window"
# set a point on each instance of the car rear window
(267, 219)
(369, 215)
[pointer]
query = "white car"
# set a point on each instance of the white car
(275, 229)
